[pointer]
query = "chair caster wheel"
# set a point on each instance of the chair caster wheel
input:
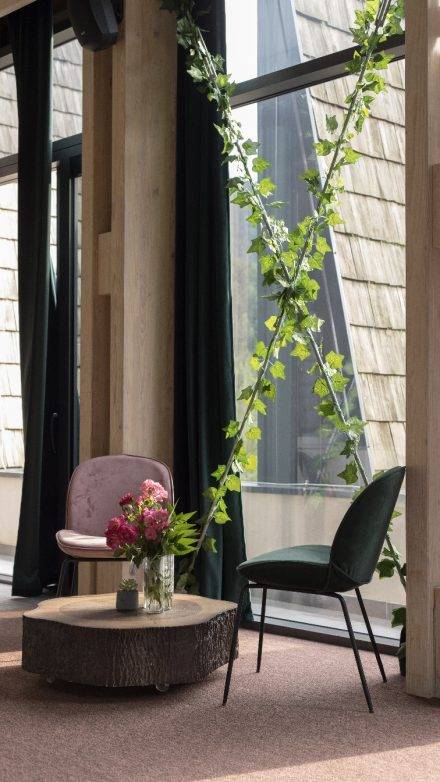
(162, 687)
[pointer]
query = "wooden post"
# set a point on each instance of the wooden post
(423, 340)
(128, 253)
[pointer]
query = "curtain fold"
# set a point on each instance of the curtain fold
(30, 31)
(204, 360)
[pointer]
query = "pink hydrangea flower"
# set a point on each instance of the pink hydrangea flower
(119, 532)
(151, 533)
(151, 490)
(156, 521)
(126, 499)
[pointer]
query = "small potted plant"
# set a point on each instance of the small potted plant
(127, 596)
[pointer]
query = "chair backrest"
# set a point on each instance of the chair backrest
(97, 484)
(358, 542)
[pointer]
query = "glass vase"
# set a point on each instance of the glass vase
(158, 583)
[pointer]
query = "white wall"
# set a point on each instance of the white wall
(10, 498)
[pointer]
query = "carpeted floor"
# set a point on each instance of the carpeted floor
(302, 718)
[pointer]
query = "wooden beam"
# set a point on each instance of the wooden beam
(95, 308)
(9, 6)
(128, 252)
(144, 106)
(423, 335)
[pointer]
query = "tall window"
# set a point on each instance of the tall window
(296, 496)
(65, 207)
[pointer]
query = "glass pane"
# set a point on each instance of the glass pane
(67, 90)
(297, 498)
(8, 113)
(266, 35)
(67, 98)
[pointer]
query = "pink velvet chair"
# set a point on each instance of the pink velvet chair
(92, 500)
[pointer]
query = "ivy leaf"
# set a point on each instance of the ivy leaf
(339, 381)
(320, 387)
(254, 433)
(233, 483)
(232, 428)
(326, 409)
(350, 156)
(259, 164)
(246, 393)
(250, 147)
(210, 544)
(251, 463)
(270, 322)
(312, 176)
(385, 568)
(334, 219)
(254, 363)
(260, 349)
(311, 322)
(322, 245)
(259, 406)
(399, 617)
(257, 245)
(323, 147)
(218, 473)
(350, 474)
(266, 186)
(334, 360)
(277, 370)
(268, 389)
(267, 263)
(349, 448)
(331, 123)
(195, 73)
(221, 517)
(300, 351)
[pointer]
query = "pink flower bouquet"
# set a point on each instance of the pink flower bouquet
(149, 527)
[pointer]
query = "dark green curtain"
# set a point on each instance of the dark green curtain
(30, 31)
(204, 360)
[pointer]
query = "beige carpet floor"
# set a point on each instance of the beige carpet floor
(302, 718)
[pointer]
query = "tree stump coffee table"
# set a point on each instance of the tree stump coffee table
(86, 641)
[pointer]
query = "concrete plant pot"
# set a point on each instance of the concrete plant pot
(127, 600)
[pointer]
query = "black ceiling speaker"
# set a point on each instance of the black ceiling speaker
(95, 22)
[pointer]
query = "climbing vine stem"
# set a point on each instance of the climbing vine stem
(288, 259)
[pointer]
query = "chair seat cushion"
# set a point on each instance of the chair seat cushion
(76, 544)
(299, 567)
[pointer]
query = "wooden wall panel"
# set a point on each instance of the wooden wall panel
(128, 255)
(423, 340)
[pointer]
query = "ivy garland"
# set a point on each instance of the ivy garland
(288, 258)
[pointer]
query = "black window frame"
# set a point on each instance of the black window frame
(67, 156)
(272, 85)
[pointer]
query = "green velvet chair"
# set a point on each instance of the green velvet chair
(328, 570)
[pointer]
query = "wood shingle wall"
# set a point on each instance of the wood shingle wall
(370, 246)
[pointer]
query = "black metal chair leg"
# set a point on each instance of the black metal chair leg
(240, 605)
(370, 633)
(261, 634)
(74, 572)
(62, 577)
(356, 652)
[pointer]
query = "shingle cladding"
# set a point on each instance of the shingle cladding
(370, 246)
(67, 120)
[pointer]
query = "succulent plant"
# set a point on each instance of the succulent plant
(128, 585)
